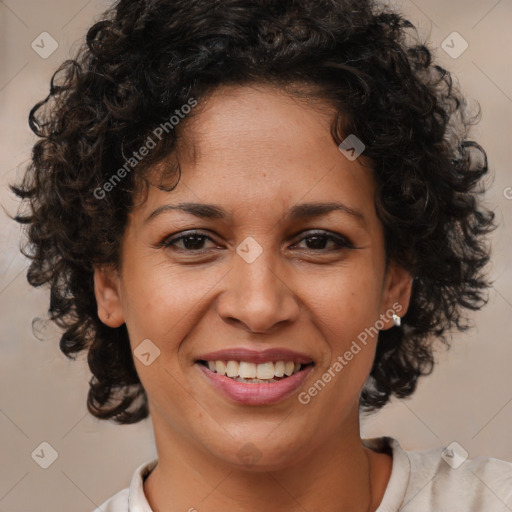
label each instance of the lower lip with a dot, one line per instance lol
(256, 393)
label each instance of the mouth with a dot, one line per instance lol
(250, 377)
(255, 373)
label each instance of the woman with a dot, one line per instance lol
(257, 217)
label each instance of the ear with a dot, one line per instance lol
(106, 290)
(396, 293)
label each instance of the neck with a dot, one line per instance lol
(337, 474)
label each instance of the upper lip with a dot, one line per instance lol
(256, 356)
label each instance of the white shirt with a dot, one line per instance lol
(419, 482)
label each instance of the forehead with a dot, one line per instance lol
(256, 114)
(255, 146)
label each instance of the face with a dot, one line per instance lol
(263, 277)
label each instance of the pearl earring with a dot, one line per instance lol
(396, 320)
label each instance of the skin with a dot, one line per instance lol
(256, 152)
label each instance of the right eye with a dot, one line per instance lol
(192, 241)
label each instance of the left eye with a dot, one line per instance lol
(316, 241)
(320, 239)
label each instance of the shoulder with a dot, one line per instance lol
(445, 478)
(117, 503)
(131, 499)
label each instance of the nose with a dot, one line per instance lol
(258, 295)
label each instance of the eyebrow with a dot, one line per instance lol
(297, 212)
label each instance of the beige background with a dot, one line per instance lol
(42, 394)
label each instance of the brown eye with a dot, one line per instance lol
(317, 241)
(192, 241)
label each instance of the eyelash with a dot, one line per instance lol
(340, 241)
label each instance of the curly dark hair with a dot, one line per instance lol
(145, 59)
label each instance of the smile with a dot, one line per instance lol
(249, 372)
(251, 377)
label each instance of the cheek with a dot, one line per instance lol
(162, 302)
(347, 301)
(346, 309)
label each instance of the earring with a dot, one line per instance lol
(396, 320)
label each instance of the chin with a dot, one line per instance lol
(260, 453)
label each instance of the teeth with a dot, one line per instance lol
(232, 369)
(289, 366)
(265, 371)
(244, 371)
(279, 369)
(220, 367)
(254, 381)
(247, 370)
